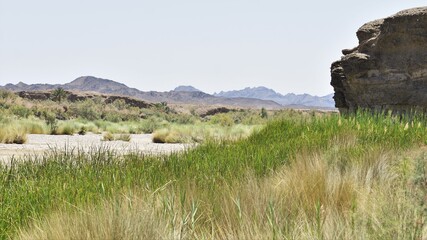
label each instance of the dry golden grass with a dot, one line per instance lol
(202, 132)
(10, 133)
(116, 137)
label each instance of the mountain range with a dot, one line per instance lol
(248, 98)
(289, 99)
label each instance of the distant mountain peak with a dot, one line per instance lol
(85, 80)
(186, 89)
(21, 84)
(251, 92)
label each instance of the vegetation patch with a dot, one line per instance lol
(202, 132)
(305, 177)
(12, 134)
(116, 137)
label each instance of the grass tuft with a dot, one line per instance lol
(12, 134)
(116, 137)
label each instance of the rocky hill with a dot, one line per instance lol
(288, 100)
(93, 84)
(81, 96)
(388, 69)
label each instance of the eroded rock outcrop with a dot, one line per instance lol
(388, 70)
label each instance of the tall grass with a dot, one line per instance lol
(309, 199)
(202, 132)
(11, 133)
(311, 178)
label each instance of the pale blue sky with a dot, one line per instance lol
(160, 44)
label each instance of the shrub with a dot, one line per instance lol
(86, 110)
(32, 125)
(151, 124)
(264, 113)
(123, 137)
(12, 134)
(51, 121)
(108, 137)
(119, 137)
(20, 111)
(66, 128)
(222, 119)
(159, 136)
(113, 117)
(120, 104)
(7, 98)
(82, 130)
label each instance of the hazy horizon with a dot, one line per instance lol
(181, 86)
(159, 45)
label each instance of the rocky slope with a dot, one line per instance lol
(81, 96)
(388, 69)
(289, 100)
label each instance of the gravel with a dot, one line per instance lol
(37, 144)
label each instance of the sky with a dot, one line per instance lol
(159, 44)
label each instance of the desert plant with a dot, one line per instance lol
(201, 133)
(86, 109)
(20, 111)
(59, 94)
(82, 130)
(11, 133)
(66, 128)
(116, 137)
(108, 136)
(263, 113)
(51, 121)
(222, 119)
(123, 137)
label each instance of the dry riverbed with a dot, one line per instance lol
(37, 144)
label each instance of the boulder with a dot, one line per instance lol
(388, 69)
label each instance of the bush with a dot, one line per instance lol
(82, 130)
(123, 137)
(113, 117)
(108, 137)
(159, 136)
(222, 119)
(120, 137)
(86, 110)
(151, 124)
(51, 121)
(7, 98)
(12, 134)
(20, 111)
(66, 128)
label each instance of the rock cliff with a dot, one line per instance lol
(388, 69)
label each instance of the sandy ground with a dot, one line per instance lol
(37, 144)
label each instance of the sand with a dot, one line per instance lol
(38, 144)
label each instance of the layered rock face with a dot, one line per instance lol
(388, 70)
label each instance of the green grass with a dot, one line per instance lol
(258, 187)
